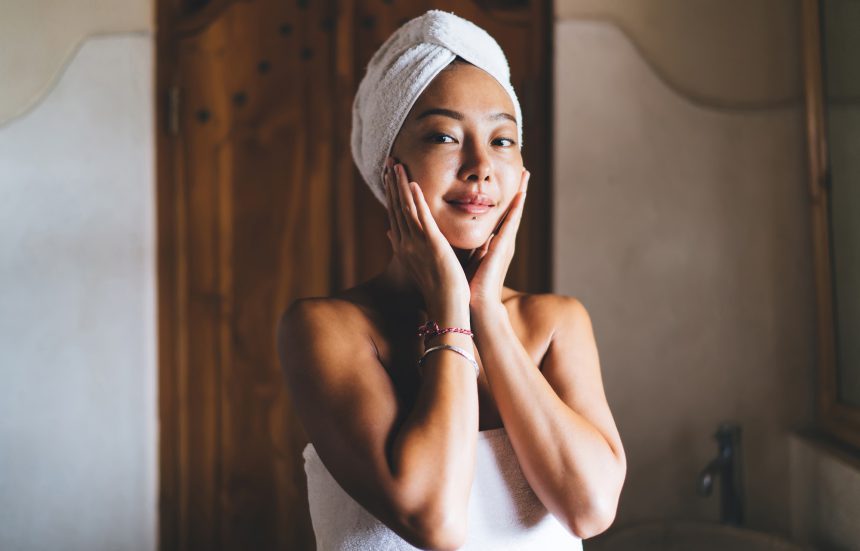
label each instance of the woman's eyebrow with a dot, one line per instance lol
(441, 111)
(459, 116)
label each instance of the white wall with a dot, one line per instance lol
(78, 420)
(682, 224)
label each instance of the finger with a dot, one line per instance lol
(486, 246)
(482, 252)
(477, 250)
(512, 220)
(399, 205)
(398, 202)
(392, 207)
(424, 214)
(410, 216)
(479, 253)
(388, 199)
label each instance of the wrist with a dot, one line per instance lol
(450, 315)
(454, 339)
(480, 305)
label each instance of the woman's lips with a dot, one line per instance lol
(471, 208)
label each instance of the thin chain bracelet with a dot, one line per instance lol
(456, 349)
(431, 329)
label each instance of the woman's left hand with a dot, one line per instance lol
(488, 266)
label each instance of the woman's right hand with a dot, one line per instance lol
(421, 247)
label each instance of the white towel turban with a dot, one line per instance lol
(400, 71)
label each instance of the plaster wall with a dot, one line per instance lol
(39, 37)
(681, 222)
(78, 425)
(718, 52)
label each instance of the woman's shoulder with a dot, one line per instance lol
(356, 307)
(349, 315)
(541, 315)
(541, 305)
(328, 327)
(335, 314)
(336, 310)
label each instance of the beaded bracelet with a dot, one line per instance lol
(456, 349)
(431, 329)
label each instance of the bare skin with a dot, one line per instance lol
(403, 445)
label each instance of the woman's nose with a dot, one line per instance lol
(476, 165)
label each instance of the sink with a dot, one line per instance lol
(688, 536)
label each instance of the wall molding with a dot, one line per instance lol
(50, 84)
(700, 99)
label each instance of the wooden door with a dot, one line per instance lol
(259, 204)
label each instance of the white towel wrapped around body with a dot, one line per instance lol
(504, 512)
(400, 71)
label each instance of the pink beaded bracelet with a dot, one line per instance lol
(431, 329)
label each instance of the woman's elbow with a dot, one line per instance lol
(591, 523)
(437, 530)
(440, 536)
(597, 516)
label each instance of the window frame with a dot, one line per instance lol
(838, 419)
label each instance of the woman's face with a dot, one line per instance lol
(459, 142)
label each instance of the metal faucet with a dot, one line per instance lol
(727, 466)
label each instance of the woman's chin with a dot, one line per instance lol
(466, 240)
(465, 233)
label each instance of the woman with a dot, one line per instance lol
(500, 436)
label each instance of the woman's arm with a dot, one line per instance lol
(558, 421)
(413, 469)
(415, 475)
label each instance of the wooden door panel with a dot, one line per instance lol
(260, 204)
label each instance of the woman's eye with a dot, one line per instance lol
(511, 142)
(439, 138)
